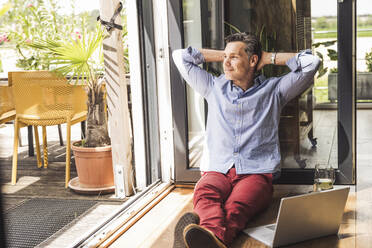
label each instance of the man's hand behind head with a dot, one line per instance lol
(265, 60)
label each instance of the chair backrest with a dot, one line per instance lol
(6, 103)
(6, 99)
(42, 95)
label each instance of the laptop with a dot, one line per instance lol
(304, 217)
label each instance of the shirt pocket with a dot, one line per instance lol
(229, 112)
(252, 113)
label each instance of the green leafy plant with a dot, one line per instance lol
(125, 40)
(268, 41)
(33, 21)
(5, 8)
(38, 19)
(332, 54)
(80, 58)
(230, 29)
(41, 20)
(368, 58)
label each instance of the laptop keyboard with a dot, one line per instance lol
(271, 227)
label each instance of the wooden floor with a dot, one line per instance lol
(156, 228)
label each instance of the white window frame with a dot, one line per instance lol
(164, 92)
(136, 94)
(164, 89)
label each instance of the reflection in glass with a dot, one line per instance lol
(364, 81)
(195, 103)
(308, 127)
(203, 27)
(364, 52)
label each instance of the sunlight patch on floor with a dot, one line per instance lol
(22, 183)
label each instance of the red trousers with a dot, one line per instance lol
(225, 202)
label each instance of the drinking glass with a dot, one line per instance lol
(324, 177)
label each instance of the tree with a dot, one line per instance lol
(321, 23)
(368, 58)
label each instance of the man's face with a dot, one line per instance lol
(236, 61)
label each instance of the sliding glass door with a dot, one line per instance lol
(318, 126)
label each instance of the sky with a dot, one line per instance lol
(329, 7)
(318, 7)
(83, 5)
(80, 5)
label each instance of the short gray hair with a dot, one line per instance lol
(253, 44)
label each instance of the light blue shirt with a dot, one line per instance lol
(242, 126)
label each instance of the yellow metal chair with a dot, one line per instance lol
(7, 110)
(8, 113)
(43, 99)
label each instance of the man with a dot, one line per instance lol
(242, 153)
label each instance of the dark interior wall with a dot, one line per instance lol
(277, 16)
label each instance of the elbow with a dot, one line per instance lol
(178, 58)
(316, 62)
(177, 54)
(310, 64)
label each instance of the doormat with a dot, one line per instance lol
(30, 223)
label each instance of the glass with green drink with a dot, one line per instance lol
(324, 177)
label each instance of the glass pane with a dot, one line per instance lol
(308, 124)
(364, 52)
(202, 23)
(364, 82)
(319, 144)
(195, 103)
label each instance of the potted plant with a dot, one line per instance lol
(364, 82)
(332, 85)
(80, 58)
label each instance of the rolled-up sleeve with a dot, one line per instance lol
(303, 67)
(187, 61)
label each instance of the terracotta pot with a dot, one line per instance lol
(93, 165)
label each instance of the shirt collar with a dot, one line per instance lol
(257, 81)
